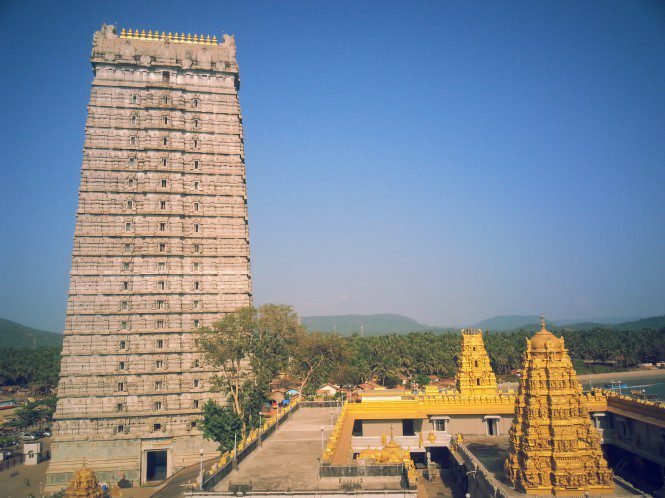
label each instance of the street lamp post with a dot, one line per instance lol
(235, 451)
(322, 439)
(260, 429)
(201, 451)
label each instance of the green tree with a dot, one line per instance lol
(250, 347)
(222, 425)
(315, 357)
(38, 412)
(422, 380)
(226, 345)
(275, 333)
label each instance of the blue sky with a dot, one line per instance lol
(449, 161)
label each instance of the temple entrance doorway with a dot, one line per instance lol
(492, 426)
(155, 465)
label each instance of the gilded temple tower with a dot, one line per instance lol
(161, 248)
(554, 449)
(474, 372)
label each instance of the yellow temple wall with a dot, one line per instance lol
(381, 427)
(476, 425)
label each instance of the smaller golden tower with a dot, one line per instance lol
(554, 449)
(84, 484)
(474, 373)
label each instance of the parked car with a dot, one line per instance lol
(43, 433)
(8, 443)
(28, 436)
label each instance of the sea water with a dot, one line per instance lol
(651, 384)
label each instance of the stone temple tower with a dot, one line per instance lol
(554, 450)
(474, 372)
(161, 247)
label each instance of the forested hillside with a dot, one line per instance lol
(15, 335)
(38, 367)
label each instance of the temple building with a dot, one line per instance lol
(161, 248)
(423, 423)
(545, 440)
(474, 373)
(554, 448)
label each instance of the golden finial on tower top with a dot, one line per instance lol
(542, 322)
(155, 35)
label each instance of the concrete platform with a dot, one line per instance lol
(289, 459)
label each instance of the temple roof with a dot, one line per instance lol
(544, 339)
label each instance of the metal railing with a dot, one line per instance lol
(228, 461)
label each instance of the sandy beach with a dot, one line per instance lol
(623, 376)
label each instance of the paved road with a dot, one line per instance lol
(13, 480)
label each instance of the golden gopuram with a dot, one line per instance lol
(554, 449)
(474, 375)
(84, 484)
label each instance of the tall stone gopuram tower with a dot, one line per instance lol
(474, 372)
(554, 449)
(161, 247)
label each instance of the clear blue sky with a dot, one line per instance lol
(449, 161)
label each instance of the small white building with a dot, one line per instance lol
(32, 452)
(327, 390)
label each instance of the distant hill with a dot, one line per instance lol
(398, 324)
(507, 322)
(654, 322)
(502, 324)
(15, 335)
(371, 324)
